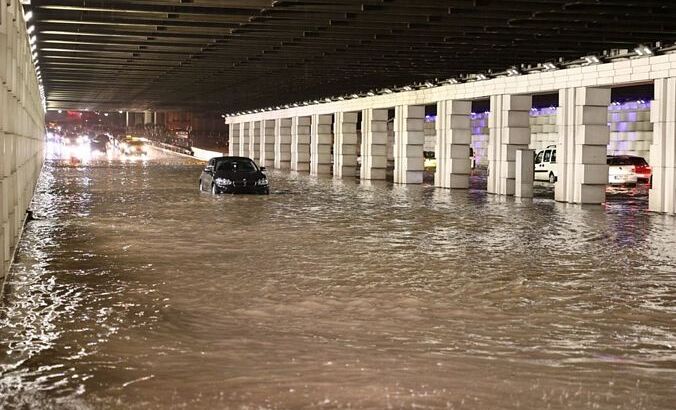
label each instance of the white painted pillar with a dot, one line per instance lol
(662, 195)
(244, 137)
(409, 137)
(452, 145)
(300, 143)
(321, 140)
(525, 173)
(233, 145)
(345, 145)
(283, 143)
(267, 145)
(255, 140)
(373, 144)
(509, 130)
(147, 117)
(582, 147)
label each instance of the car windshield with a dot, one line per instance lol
(242, 165)
(638, 161)
(620, 161)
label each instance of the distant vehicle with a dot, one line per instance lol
(99, 144)
(430, 162)
(234, 175)
(622, 169)
(134, 148)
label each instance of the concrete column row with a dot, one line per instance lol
(254, 149)
(283, 143)
(234, 144)
(267, 143)
(321, 141)
(409, 137)
(21, 129)
(583, 145)
(662, 196)
(373, 144)
(345, 145)
(300, 143)
(453, 141)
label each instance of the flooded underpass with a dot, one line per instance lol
(134, 290)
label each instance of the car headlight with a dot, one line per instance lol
(262, 182)
(223, 181)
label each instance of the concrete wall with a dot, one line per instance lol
(21, 129)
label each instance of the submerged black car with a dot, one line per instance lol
(234, 175)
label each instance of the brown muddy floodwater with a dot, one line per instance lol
(134, 290)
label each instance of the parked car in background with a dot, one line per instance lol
(622, 169)
(545, 164)
(234, 175)
(430, 162)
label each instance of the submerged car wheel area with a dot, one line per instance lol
(234, 175)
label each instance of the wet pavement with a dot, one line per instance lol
(134, 290)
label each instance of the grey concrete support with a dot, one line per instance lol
(525, 173)
(21, 129)
(129, 119)
(233, 146)
(509, 131)
(283, 143)
(408, 144)
(147, 117)
(300, 143)
(254, 149)
(582, 147)
(373, 144)
(662, 196)
(345, 145)
(267, 143)
(321, 140)
(452, 144)
(244, 137)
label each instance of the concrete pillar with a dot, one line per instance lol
(452, 145)
(321, 140)
(300, 143)
(254, 149)
(373, 144)
(582, 146)
(408, 144)
(233, 146)
(129, 119)
(147, 117)
(509, 131)
(525, 173)
(21, 129)
(267, 145)
(662, 195)
(345, 145)
(283, 143)
(244, 137)
(155, 118)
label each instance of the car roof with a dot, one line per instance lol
(222, 158)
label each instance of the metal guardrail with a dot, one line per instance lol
(169, 147)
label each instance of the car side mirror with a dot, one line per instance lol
(263, 169)
(209, 169)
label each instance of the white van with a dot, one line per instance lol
(545, 164)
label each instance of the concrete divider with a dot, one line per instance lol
(206, 155)
(21, 130)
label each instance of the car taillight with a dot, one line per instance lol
(642, 169)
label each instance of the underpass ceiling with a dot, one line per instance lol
(232, 55)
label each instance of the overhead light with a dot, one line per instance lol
(28, 16)
(386, 91)
(370, 93)
(591, 60)
(354, 96)
(549, 66)
(30, 29)
(35, 55)
(513, 71)
(643, 50)
(481, 77)
(428, 84)
(327, 99)
(32, 39)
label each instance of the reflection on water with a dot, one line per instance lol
(135, 290)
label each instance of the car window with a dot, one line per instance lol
(548, 155)
(241, 165)
(553, 159)
(619, 161)
(638, 161)
(538, 159)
